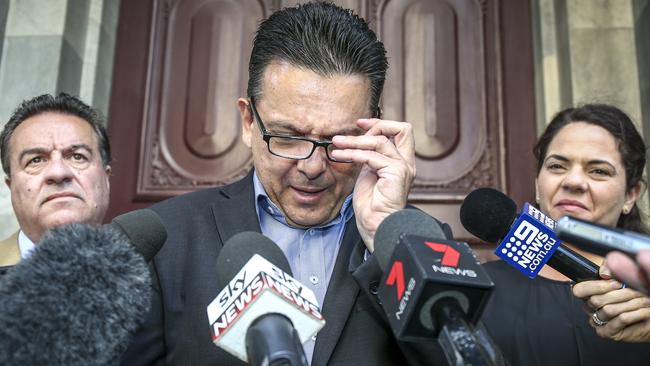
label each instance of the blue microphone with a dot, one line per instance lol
(526, 240)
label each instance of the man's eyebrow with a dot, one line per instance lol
(350, 131)
(76, 147)
(293, 129)
(32, 151)
(283, 125)
(41, 151)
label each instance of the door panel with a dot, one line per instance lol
(460, 72)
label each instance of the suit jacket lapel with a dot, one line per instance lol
(234, 209)
(234, 212)
(9, 251)
(341, 295)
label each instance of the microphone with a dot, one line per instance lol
(262, 315)
(526, 241)
(600, 239)
(144, 230)
(75, 301)
(433, 288)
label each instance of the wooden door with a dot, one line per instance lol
(460, 70)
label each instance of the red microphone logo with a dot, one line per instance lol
(450, 256)
(396, 276)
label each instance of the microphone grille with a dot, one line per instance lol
(487, 214)
(77, 300)
(240, 248)
(403, 222)
(144, 229)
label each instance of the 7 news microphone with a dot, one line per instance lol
(262, 314)
(433, 288)
(526, 240)
(81, 294)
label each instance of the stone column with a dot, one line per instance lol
(586, 51)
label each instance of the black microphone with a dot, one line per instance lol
(433, 288)
(489, 215)
(600, 239)
(261, 300)
(75, 301)
(144, 230)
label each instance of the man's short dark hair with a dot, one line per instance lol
(323, 38)
(62, 103)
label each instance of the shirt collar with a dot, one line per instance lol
(262, 201)
(25, 244)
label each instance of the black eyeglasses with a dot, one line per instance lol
(292, 147)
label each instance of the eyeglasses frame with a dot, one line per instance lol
(266, 136)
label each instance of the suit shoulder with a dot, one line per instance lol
(188, 204)
(203, 196)
(9, 250)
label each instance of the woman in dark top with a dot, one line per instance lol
(590, 162)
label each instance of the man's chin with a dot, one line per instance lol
(304, 222)
(68, 217)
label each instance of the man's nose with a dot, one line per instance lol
(58, 171)
(315, 165)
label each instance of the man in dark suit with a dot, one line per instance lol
(327, 171)
(56, 158)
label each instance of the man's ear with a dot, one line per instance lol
(246, 117)
(108, 171)
(8, 181)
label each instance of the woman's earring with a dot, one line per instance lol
(626, 210)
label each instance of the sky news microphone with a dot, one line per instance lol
(433, 288)
(75, 301)
(262, 314)
(527, 240)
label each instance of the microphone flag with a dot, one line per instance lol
(259, 281)
(421, 271)
(530, 242)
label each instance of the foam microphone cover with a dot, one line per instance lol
(144, 229)
(406, 221)
(240, 248)
(488, 214)
(76, 301)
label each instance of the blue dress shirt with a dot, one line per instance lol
(311, 252)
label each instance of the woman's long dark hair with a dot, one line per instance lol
(630, 145)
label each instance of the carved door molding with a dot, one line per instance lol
(460, 72)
